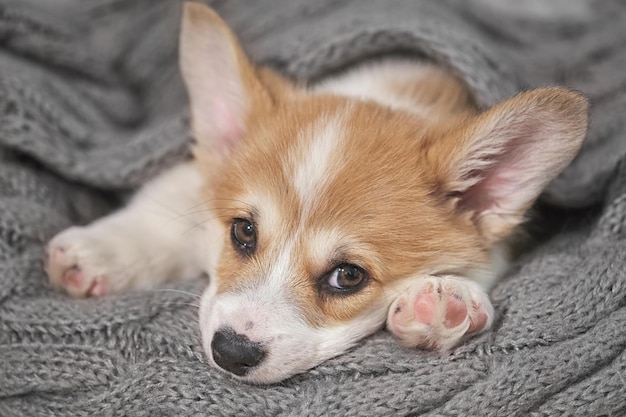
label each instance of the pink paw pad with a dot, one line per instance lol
(427, 305)
(425, 308)
(456, 311)
(438, 312)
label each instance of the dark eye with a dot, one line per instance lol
(346, 278)
(243, 235)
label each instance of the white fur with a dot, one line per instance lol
(167, 233)
(270, 218)
(371, 82)
(151, 241)
(313, 161)
(266, 313)
(323, 243)
(264, 310)
(293, 345)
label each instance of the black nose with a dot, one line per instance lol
(234, 352)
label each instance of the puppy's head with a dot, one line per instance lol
(323, 208)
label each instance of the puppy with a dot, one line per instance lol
(320, 212)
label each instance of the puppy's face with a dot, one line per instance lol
(323, 208)
(320, 216)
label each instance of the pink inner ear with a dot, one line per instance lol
(212, 66)
(514, 177)
(227, 126)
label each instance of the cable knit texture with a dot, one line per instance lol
(92, 105)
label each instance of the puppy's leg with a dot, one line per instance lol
(150, 241)
(439, 312)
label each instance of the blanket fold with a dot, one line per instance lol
(92, 105)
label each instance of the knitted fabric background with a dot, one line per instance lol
(92, 105)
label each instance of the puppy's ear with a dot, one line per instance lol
(222, 85)
(496, 166)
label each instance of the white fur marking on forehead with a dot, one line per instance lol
(314, 159)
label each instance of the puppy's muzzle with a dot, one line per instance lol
(234, 352)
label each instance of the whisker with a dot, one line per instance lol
(200, 225)
(161, 204)
(217, 199)
(177, 291)
(190, 213)
(184, 304)
(499, 213)
(243, 203)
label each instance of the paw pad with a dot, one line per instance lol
(68, 265)
(439, 312)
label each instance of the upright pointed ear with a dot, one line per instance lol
(495, 167)
(222, 85)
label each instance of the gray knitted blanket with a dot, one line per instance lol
(91, 105)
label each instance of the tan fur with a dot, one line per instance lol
(389, 168)
(445, 156)
(390, 194)
(386, 161)
(437, 89)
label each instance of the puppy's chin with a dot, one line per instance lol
(289, 344)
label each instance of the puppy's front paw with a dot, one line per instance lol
(439, 312)
(79, 262)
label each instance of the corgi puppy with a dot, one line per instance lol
(320, 213)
